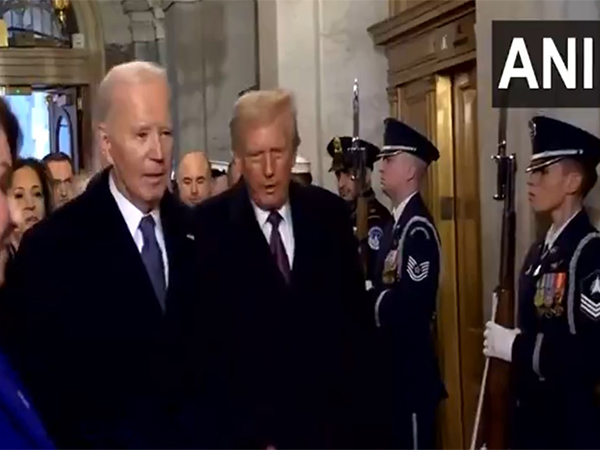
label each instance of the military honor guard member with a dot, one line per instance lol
(555, 351)
(407, 274)
(379, 215)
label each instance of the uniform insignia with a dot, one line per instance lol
(375, 235)
(590, 295)
(550, 293)
(190, 237)
(417, 271)
(422, 229)
(390, 266)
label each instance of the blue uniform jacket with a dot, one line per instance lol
(20, 426)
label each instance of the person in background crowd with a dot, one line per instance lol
(60, 169)
(194, 178)
(30, 196)
(554, 352)
(91, 346)
(301, 171)
(406, 285)
(286, 313)
(378, 215)
(20, 426)
(233, 172)
(220, 179)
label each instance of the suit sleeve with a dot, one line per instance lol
(411, 299)
(569, 354)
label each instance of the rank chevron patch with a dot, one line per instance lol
(590, 307)
(417, 271)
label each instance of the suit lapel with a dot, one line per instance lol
(302, 224)
(177, 239)
(115, 241)
(249, 235)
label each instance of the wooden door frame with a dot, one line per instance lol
(83, 68)
(425, 40)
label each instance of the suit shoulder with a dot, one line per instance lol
(61, 223)
(213, 209)
(585, 257)
(376, 208)
(421, 230)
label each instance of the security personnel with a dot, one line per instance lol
(555, 351)
(407, 275)
(378, 215)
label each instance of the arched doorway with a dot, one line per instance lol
(51, 60)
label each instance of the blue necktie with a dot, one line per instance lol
(152, 257)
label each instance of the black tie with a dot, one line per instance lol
(152, 257)
(277, 248)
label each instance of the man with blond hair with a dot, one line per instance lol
(110, 268)
(288, 295)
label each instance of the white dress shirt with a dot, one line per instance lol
(133, 216)
(398, 210)
(286, 229)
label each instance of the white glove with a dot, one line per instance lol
(498, 341)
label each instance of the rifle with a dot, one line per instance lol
(358, 159)
(496, 396)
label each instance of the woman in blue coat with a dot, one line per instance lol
(20, 426)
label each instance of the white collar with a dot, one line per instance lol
(552, 235)
(398, 210)
(130, 212)
(262, 216)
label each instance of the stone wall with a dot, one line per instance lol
(133, 29)
(209, 48)
(316, 49)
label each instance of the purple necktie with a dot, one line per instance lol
(277, 248)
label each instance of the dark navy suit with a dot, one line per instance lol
(556, 358)
(407, 274)
(20, 426)
(88, 336)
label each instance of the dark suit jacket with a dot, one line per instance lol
(20, 427)
(89, 332)
(286, 355)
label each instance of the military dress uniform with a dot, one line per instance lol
(407, 277)
(556, 357)
(378, 215)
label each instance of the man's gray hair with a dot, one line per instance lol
(134, 72)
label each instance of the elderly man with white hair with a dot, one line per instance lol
(110, 268)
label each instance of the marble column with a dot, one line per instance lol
(211, 56)
(518, 130)
(316, 48)
(186, 75)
